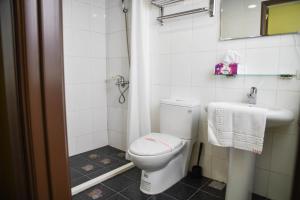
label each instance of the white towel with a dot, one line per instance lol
(236, 125)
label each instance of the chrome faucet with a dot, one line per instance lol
(252, 95)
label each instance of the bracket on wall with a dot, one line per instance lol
(161, 4)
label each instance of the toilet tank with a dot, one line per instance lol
(180, 117)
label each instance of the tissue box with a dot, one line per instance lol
(220, 69)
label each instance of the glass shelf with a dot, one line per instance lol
(283, 76)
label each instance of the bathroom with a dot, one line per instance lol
(141, 90)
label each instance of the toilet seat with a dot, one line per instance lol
(155, 144)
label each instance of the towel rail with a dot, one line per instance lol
(163, 3)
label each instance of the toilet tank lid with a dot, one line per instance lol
(181, 102)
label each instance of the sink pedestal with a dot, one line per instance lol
(240, 175)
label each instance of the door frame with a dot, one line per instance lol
(38, 85)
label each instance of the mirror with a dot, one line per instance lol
(255, 18)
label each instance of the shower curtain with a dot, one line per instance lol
(138, 123)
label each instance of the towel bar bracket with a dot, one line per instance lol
(161, 4)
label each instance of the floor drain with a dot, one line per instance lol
(217, 185)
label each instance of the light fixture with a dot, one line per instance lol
(252, 6)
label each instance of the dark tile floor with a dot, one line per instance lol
(126, 187)
(92, 164)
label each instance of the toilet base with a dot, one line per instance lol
(155, 182)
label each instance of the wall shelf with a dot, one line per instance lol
(282, 76)
(161, 4)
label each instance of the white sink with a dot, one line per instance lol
(242, 163)
(275, 116)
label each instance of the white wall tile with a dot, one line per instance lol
(205, 38)
(261, 42)
(289, 100)
(82, 1)
(219, 169)
(261, 182)
(97, 45)
(181, 41)
(263, 161)
(100, 139)
(157, 93)
(181, 69)
(98, 70)
(220, 152)
(262, 61)
(202, 69)
(266, 98)
(67, 14)
(98, 95)
(280, 186)
(161, 70)
(115, 119)
(84, 143)
(97, 17)
(81, 41)
(85, 74)
(81, 16)
(99, 3)
(284, 153)
(230, 95)
(67, 41)
(116, 45)
(115, 20)
(266, 83)
(289, 60)
(100, 119)
(116, 139)
(183, 92)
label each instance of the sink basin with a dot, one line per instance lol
(275, 116)
(241, 168)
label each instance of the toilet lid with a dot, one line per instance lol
(155, 144)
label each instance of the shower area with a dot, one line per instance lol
(97, 63)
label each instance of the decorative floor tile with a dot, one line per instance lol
(92, 164)
(107, 161)
(86, 167)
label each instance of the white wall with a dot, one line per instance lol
(117, 64)
(85, 74)
(184, 52)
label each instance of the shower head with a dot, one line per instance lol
(125, 10)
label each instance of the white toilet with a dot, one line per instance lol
(164, 157)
